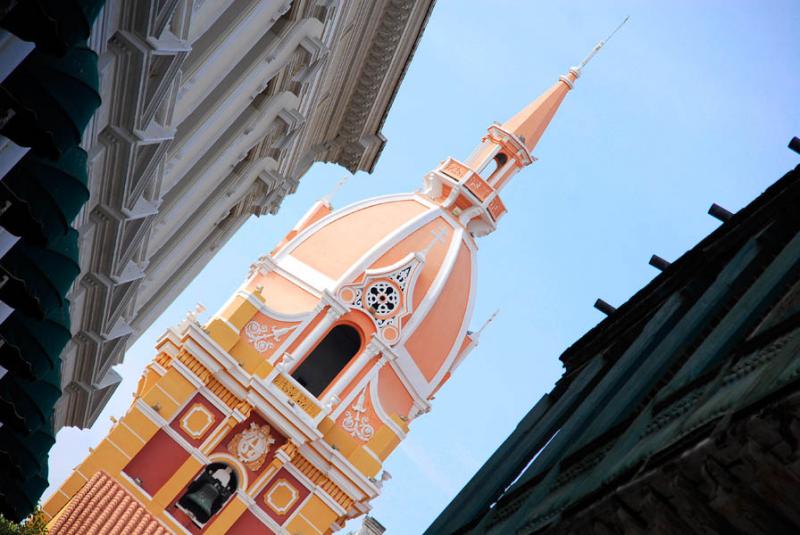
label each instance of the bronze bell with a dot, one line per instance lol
(201, 501)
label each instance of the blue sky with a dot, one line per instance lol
(692, 102)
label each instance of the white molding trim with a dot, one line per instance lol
(372, 454)
(229, 459)
(124, 453)
(259, 513)
(177, 403)
(196, 434)
(131, 430)
(281, 415)
(338, 214)
(262, 480)
(410, 375)
(133, 483)
(454, 351)
(201, 388)
(305, 273)
(339, 470)
(436, 287)
(313, 488)
(230, 325)
(379, 410)
(274, 314)
(294, 279)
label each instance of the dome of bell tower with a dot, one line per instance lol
(399, 268)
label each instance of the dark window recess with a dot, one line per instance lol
(330, 357)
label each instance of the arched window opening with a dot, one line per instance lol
(329, 358)
(208, 493)
(492, 166)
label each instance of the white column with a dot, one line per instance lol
(333, 314)
(373, 348)
(502, 174)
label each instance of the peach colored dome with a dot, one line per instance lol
(369, 239)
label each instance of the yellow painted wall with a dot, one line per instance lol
(364, 462)
(314, 518)
(107, 456)
(229, 515)
(179, 479)
(384, 441)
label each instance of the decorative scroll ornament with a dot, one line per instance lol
(385, 294)
(251, 445)
(356, 422)
(264, 337)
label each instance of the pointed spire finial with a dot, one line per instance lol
(328, 197)
(530, 123)
(598, 46)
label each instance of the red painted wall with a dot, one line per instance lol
(248, 524)
(156, 462)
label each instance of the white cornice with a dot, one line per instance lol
(341, 471)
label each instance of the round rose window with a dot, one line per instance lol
(382, 298)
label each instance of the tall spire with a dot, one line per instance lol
(530, 123)
(470, 190)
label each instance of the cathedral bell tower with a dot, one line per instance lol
(276, 415)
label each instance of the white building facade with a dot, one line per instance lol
(212, 112)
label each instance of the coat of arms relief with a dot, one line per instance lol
(252, 445)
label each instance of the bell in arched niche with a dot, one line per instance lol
(206, 495)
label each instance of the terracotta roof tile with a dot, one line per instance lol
(104, 506)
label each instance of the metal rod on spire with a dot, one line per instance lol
(329, 196)
(486, 323)
(600, 45)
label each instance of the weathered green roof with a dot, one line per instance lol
(714, 335)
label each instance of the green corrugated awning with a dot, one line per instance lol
(24, 461)
(26, 406)
(32, 347)
(52, 95)
(53, 100)
(44, 195)
(20, 496)
(25, 453)
(54, 25)
(46, 272)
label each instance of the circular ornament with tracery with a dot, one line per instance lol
(382, 298)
